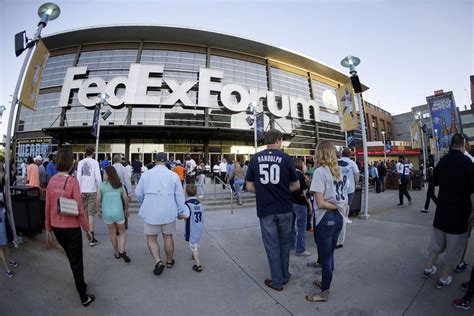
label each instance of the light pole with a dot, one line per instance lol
(351, 62)
(384, 148)
(102, 101)
(424, 151)
(47, 12)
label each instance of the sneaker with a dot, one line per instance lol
(464, 286)
(429, 272)
(339, 246)
(410, 202)
(400, 204)
(303, 254)
(201, 196)
(349, 221)
(93, 242)
(125, 257)
(13, 263)
(423, 210)
(462, 267)
(313, 264)
(9, 274)
(443, 283)
(462, 304)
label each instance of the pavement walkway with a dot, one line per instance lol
(377, 272)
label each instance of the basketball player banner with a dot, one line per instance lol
(347, 108)
(445, 118)
(34, 74)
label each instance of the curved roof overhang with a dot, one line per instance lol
(190, 36)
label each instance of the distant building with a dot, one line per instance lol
(401, 124)
(377, 121)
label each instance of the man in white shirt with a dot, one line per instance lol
(350, 173)
(190, 169)
(88, 175)
(223, 171)
(403, 170)
(122, 173)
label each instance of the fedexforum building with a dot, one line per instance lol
(177, 90)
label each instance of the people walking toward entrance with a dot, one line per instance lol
(382, 171)
(161, 194)
(88, 176)
(180, 171)
(404, 171)
(237, 178)
(348, 175)
(112, 204)
(67, 228)
(230, 168)
(51, 167)
(330, 205)
(42, 170)
(201, 182)
(32, 173)
(137, 170)
(223, 172)
(194, 224)
(300, 212)
(104, 163)
(430, 193)
(454, 175)
(190, 169)
(122, 174)
(5, 258)
(353, 177)
(272, 177)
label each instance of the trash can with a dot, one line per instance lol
(356, 202)
(26, 209)
(416, 182)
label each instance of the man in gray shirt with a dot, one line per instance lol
(122, 173)
(42, 170)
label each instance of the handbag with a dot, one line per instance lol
(67, 207)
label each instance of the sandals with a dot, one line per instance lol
(117, 256)
(268, 283)
(321, 297)
(159, 267)
(197, 268)
(13, 263)
(90, 299)
(169, 265)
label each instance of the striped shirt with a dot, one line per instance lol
(53, 193)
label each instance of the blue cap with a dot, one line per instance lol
(161, 157)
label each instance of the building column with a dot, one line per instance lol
(127, 151)
(206, 150)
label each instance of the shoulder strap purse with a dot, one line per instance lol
(67, 207)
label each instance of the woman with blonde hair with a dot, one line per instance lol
(331, 201)
(238, 177)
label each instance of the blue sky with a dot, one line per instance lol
(408, 48)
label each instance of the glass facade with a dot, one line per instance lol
(181, 66)
(55, 70)
(47, 114)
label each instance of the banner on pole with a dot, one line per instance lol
(95, 122)
(347, 109)
(445, 119)
(415, 135)
(260, 128)
(31, 83)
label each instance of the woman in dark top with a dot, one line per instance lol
(300, 212)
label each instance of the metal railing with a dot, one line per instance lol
(227, 187)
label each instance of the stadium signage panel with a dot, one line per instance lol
(143, 78)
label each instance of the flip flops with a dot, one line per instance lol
(169, 265)
(159, 267)
(197, 268)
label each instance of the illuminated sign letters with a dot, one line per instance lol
(142, 78)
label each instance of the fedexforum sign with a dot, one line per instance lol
(143, 78)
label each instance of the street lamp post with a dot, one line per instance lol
(351, 62)
(424, 151)
(102, 101)
(384, 148)
(47, 12)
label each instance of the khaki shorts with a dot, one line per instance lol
(88, 201)
(452, 245)
(166, 229)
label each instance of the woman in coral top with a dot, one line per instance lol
(32, 173)
(67, 228)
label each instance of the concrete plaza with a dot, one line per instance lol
(378, 272)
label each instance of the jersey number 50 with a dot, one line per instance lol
(269, 173)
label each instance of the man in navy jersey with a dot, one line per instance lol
(272, 177)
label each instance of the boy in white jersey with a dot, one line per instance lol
(194, 224)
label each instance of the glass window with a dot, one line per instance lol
(46, 115)
(55, 70)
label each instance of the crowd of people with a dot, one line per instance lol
(291, 198)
